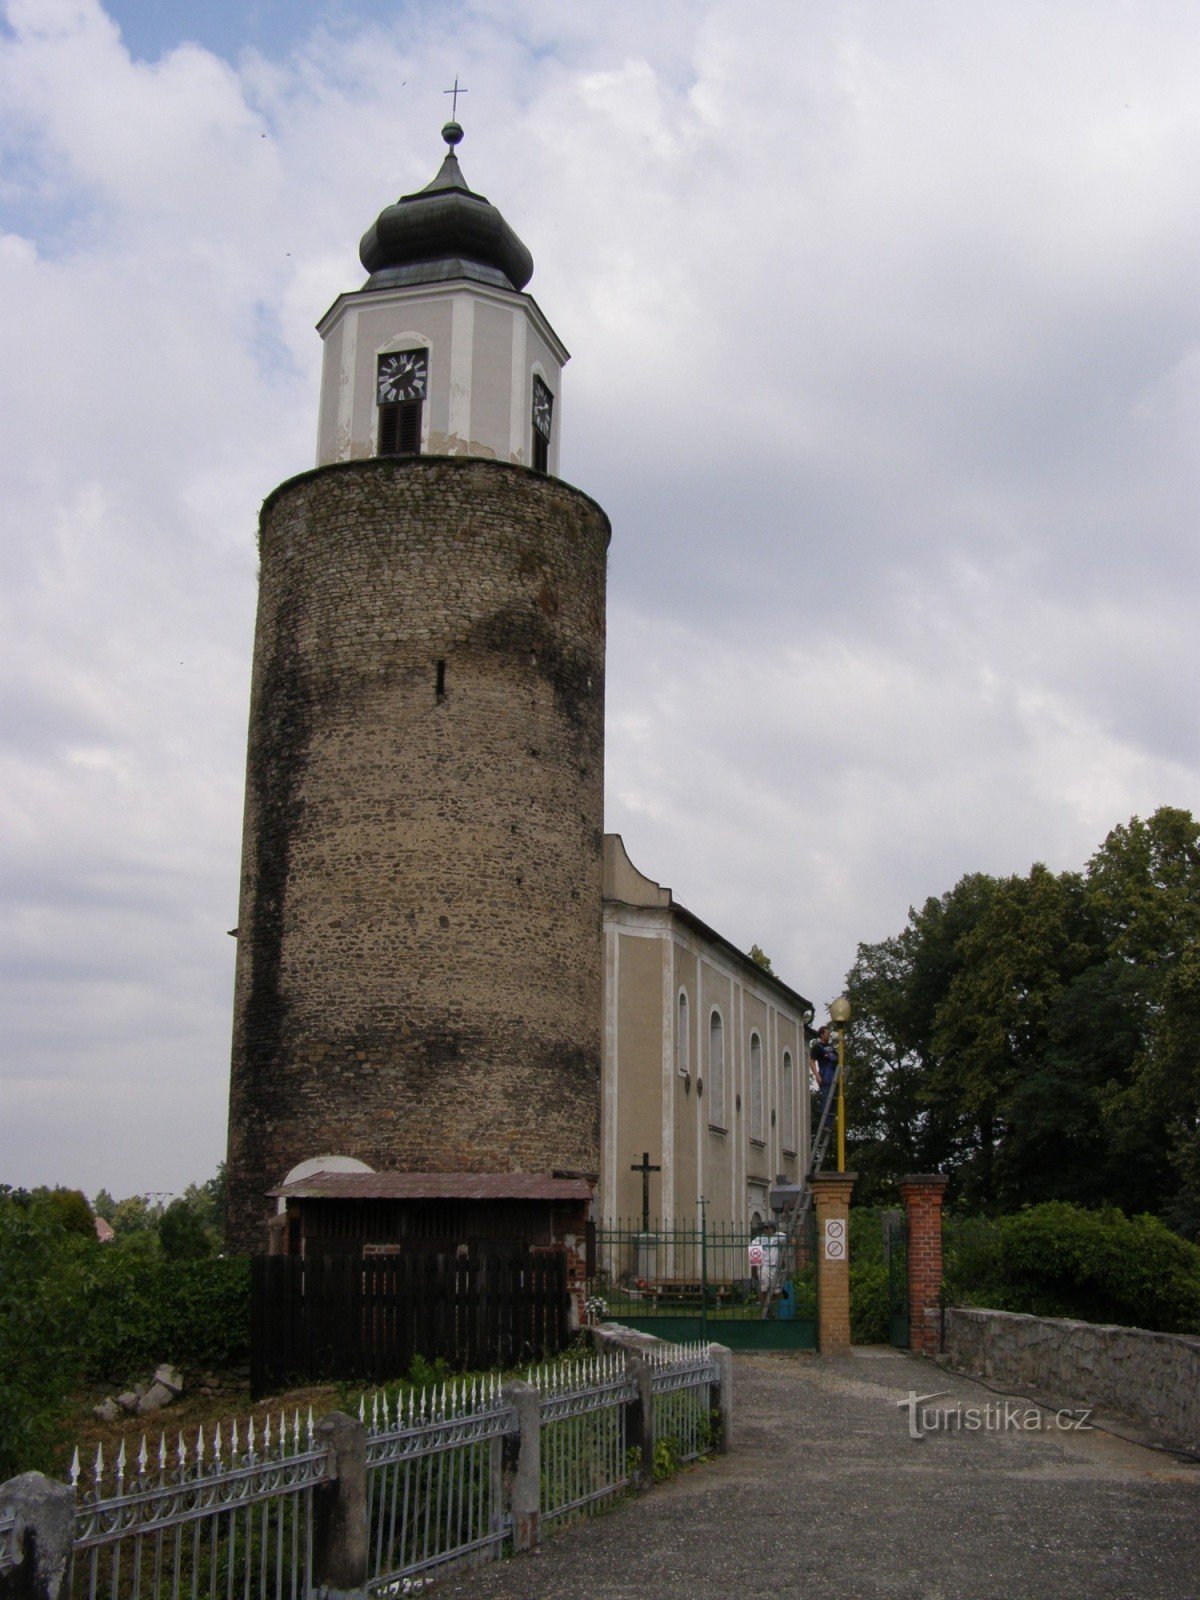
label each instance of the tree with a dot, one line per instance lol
(760, 958)
(1145, 880)
(1038, 1037)
(896, 988)
(183, 1234)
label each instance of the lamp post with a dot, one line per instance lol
(839, 1015)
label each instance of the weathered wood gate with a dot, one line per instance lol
(366, 1318)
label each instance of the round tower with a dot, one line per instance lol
(419, 937)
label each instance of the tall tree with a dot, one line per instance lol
(1038, 1037)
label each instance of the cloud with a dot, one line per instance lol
(887, 370)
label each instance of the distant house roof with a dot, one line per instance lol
(103, 1230)
(434, 1186)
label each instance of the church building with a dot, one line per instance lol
(457, 1003)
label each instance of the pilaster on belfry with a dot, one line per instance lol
(922, 1194)
(831, 1202)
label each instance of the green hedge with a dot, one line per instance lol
(191, 1313)
(1060, 1260)
(1101, 1266)
(73, 1311)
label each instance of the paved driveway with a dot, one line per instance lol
(826, 1493)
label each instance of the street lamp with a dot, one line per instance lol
(839, 1015)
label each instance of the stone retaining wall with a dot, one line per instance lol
(1151, 1378)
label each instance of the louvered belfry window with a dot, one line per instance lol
(400, 428)
(401, 383)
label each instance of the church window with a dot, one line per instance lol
(682, 1042)
(542, 414)
(716, 1071)
(402, 379)
(440, 681)
(789, 1103)
(757, 1128)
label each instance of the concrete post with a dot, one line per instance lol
(340, 1510)
(922, 1195)
(723, 1357)
(831, 1199)
(45, 1537)
(639, 1420)
(522, 1459)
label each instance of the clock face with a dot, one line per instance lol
(402, 376)
(543, 405)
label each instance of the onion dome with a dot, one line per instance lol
(444, 231)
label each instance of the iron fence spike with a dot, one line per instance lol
(74, 1473)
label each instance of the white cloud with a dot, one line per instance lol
(887, 368)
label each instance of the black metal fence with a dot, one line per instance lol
(367, 1318)
(708, 1281)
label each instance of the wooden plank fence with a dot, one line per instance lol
(366, 1318)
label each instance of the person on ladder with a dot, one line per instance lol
(823, 1064)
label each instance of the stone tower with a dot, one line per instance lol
(419, 936)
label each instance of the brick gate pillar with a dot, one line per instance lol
(922, 1195)
(831, 1200)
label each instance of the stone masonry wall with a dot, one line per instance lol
(1151, 1378)
(419, 937)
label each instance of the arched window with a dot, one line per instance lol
(716, 1071)
(683, 1059)
(788, 1132)
(757, 1121)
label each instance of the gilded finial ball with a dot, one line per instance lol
(452, 133)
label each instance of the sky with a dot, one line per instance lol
(885, 346)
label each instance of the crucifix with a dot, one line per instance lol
(645, 1169)
(456, 91)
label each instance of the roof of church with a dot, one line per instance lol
(444, 231)
(624, 884)
(435, 1186)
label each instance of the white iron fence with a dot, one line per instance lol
(246, 1514)
(434, 1480)
(230, 1516)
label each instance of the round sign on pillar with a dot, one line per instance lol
(835, 1239)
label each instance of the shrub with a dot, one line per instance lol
(142, 1311)
(1100, 1266)
(870, 1308)
(40, 1304)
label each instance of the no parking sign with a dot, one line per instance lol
(835, 1239)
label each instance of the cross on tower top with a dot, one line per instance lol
(456, 91)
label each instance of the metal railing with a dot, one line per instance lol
(230, 1516)
(233, 1516)
(681, 1383)
(434, 1480)
(584, 1461)
(699, 1275)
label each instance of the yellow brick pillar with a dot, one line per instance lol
(831, 1201)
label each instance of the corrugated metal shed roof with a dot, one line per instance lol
(435, 1186)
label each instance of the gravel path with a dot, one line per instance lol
(825, 1492)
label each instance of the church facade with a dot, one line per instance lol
(425, 921)
(705, 1064)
